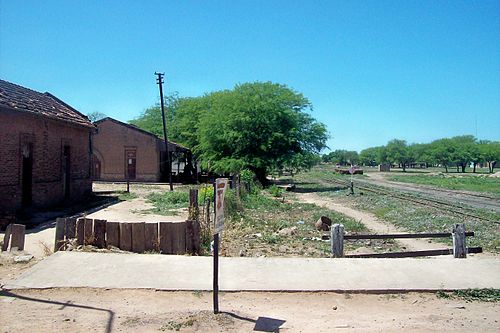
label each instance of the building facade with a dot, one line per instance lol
(45, 151)
(124, 151)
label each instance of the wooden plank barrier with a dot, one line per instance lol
(88, 232)
(113, 234)
(126, 236)
(139, 237)
(138, 245)
(151, 242)
(99, 237)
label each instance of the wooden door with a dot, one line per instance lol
(130, 164)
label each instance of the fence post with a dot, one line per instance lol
(459, 241)
(337, 237)
(194, 210)
(60, 231)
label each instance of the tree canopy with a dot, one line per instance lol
(261, 126)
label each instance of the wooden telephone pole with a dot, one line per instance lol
(159, 81)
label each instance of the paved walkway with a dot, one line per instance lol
(166, 272)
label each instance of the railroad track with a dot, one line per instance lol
(452, 208)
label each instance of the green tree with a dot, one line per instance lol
(372, 156)
(151, 120)
(441, 152)
(397, 152)
(490, 153)
(259, 126)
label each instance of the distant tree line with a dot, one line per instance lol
(458, 151)
(262, 127)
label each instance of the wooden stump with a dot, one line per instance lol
(70, 228)
(166, 237)
(151, 237)
(193, 204)
(459, 241)
(80, 231)
(88, 232)
(60, 231)
(192, 237)
(113, 234)
(18, 233)
(100, 233)
(125, 236)
(6, 238)
(138, 245)
(337, 239)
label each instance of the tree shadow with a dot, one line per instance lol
(111, 314)
(262, 324)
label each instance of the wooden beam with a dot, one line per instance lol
(125, 236)
(138, 245)
(423, 253)
(18, 233)
(100, 233)
(80, 231)
(151, 242)
(113, 234)
(394, 236)
(59, 235)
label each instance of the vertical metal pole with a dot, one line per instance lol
(159, 80)
(216, 273)
(216, 260)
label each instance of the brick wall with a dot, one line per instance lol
(110, 143)
(48, 137)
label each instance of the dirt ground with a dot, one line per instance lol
(473, 199)
(98, 310)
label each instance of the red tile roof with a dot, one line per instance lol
(23, 99)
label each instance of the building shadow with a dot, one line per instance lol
(262, 324)
(111, 314)
(318, 189)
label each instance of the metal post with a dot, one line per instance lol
(216, 261)
(159, 81)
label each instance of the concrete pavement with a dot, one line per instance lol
(168, 272)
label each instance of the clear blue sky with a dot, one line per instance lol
(374, 70)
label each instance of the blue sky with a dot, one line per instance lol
(374, 70)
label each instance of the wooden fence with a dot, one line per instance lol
(139, 237)
(458, 235)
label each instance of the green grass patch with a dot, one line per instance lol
(165, 203)
(454, 182)
(124, 195)
(470, 295)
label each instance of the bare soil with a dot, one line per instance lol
(98, 310)
(473, 199)
(369, 220)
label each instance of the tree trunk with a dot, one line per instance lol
(458, 169)
(463, 167)
(261, 174)
(446, 168)
(493, 165)
(474, 169)
(404, 166)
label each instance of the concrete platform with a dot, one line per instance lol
(168, 272)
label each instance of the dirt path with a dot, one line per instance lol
(473, 199)
(369, 220)
(99, 310)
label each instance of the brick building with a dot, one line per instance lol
(45, 151)
(120, 148)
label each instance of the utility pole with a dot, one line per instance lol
(159, 81)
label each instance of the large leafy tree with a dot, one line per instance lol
(490, 153)
(259, 126)
(398, 153)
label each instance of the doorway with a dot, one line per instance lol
(130, 164)
(27, 175)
